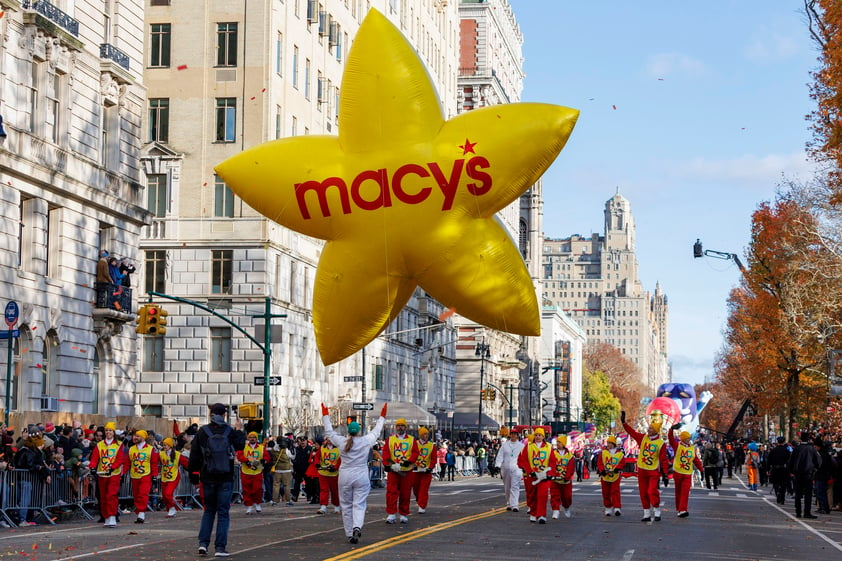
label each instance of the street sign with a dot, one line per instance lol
(5, 334)
(362, 406)
(353, 378)
(11, 313)
(273, 380)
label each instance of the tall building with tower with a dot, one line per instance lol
(595, 280)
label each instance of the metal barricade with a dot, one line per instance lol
(24, 491)
(65, 492)
(186, 494)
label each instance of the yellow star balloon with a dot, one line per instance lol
(404, 197)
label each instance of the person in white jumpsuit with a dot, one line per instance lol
(354, 483)
(509, 472)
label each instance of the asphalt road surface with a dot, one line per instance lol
(465, 521)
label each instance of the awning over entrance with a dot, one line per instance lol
(414, 415)
(468, 421)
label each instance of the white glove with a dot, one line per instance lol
(396, 468)
(541, 475)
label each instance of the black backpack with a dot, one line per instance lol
(218, 453)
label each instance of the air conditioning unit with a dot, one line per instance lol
(49, 403)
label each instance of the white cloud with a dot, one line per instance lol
(749, 168)
(665, 64)
(769, 46)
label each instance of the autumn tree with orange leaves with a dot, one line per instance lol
(824, 18)
(624, 377)
(773, 353)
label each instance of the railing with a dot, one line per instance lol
(26, 495)
(114, 297)
(53, 14)
(107, 50)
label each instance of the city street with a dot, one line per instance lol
(465, 521)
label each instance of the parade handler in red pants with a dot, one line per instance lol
(143, 466)
(399, 456)
(252, 458)
(427, 452)
(682, 468)
(609, 463)
(652, 463)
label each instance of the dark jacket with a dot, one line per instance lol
(825, 471)
(778, 463)
(301, 461)
(805, 460)
(237, 438)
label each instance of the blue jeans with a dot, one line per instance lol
(24, 498)
(820, 489)
(217, 503)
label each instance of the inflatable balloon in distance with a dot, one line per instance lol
(684, 396)
(405, 198)
(662, 413)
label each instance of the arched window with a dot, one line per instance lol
(524, 239)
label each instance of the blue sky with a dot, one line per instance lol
(710, 103)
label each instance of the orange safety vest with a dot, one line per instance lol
(140, 460)
(610, 461)
(329, 458)
(107, 457)
(252, 455)
(425, 456)
(169, 465)
(683, 462)
(400, 449)
(650, 453)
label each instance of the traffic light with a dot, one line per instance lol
(141, 319)
(249, 411)
(482, 395)
(156, 320)
(492, 394)
(350, 419)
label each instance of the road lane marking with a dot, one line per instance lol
(775, 505)
(628, 555)
(397, 540)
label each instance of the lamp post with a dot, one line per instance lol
(483, 351)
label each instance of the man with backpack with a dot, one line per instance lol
(212, 463)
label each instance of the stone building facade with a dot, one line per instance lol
(71, 101)
(595, 280)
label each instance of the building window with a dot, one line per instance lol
(95, 374)
(377, 383)
(32, 95)
(220, 356)
(295, 66)
(153, 354)
(223, 201)
(156, 194)
(49, 365)
(54, 243)
(53, 96)
(279, 122)
(221, 267)
(159, 45)
(294, 128)
(226, 44)
(307, 78)
(279, 54)
(154, 268)
(26, 234)
(159, 119)
(226, 119)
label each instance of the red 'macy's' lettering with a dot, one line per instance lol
(448, 184)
